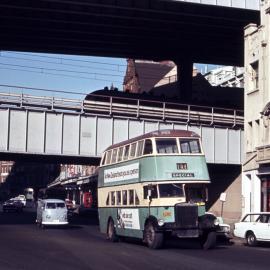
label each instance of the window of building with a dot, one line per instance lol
(255, 74)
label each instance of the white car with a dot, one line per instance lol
(223, 229)
(254, 227)
(21, 198)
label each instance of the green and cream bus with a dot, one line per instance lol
(153, 186)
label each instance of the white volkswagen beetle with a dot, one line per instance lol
(51, 212)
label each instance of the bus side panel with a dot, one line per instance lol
(104, 215)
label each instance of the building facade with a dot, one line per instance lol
(256, 168)
(5, 169)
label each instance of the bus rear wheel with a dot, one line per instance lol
(111, 234)
(153, 239)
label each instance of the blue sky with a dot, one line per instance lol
(66, 73)
(78, 74)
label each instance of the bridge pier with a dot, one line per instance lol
(184, 79)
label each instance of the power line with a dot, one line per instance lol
(55, 63)
(43, 89)
(79, 72)
(63, 75)
(62, 70)
(63, 59)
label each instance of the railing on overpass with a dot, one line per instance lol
(128, 108)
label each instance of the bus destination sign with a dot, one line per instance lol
(182, 174)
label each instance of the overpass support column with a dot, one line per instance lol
(184, 78)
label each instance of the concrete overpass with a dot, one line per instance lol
(63, 130)
(202, 31)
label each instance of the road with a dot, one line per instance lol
(24, 246)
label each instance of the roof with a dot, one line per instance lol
(166, 133)
(150, 73)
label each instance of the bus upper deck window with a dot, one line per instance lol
(126, 152)
(108, 157)
(120, 154)
(139, 149)
(103, 161)
(166, 146)
(148, 148)
(132, 150)
(190, 146)
(114, 155)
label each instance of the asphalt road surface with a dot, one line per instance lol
(24, 246)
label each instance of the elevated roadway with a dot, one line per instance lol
(63, 130)
(202, 31)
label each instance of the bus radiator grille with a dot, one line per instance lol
(186, 216)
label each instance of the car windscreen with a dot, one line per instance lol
(195, 193)
(170, 190)
(52, 205)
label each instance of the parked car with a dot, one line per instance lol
(254, 227)
(13, 205)
(223, 229)
(22, 199)
(51, 212)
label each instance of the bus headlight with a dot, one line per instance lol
(160, 222)
(48, 216)
(216, 222)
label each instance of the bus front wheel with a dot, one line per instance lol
(111, 234)
(208, 240)
(153, 239)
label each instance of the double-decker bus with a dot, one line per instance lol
(153, 186)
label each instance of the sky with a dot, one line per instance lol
(66, 76)
(64, 73)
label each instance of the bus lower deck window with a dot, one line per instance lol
(112, 198)
(124, 197)
(118, 197)
(131, 197)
